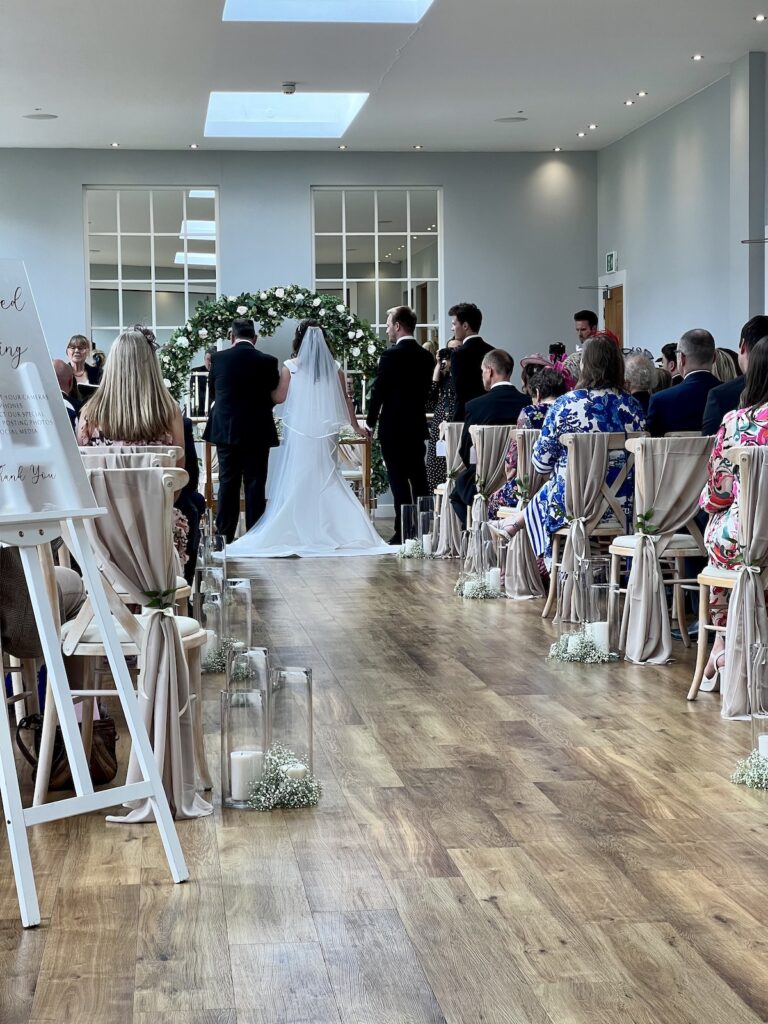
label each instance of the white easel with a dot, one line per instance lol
(44, 492)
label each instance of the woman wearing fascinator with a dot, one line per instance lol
(311, 510)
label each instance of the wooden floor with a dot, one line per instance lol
(500, 840)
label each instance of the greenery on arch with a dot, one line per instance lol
(354, 342)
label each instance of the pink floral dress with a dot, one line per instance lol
(720, 496)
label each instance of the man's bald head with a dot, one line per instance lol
(64, 375)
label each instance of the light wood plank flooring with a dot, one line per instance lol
(500, 841)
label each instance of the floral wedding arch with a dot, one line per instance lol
(356, 345)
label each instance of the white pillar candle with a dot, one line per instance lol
(573, 641)
(410, 546)
(493, 580)
(598, 631)
(426, 543)
(762, 745)
(244, 769)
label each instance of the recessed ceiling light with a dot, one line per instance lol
(698, 56)
(114, 145)
(196, 259)
(39, 116)
(759, 17)
(556, 149)
(592, 127)
(394, 12)
(629, 103)
(642, 93)
(275, 115)
(581, 134)
(193, 145)
(418, 147)
(342, 147)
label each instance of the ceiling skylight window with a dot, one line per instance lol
(199, 230)
(202, 193)
(195, 259)
(393, 12)
(274, 115)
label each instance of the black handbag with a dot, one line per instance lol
(103, 761)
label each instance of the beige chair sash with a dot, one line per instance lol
(134, 545)
(449, 531)
(747, 616)
(529, 479)
(522, 580)
(669, 475)
(491, 445)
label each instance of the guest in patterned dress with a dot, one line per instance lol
(441, 403)
(746, 426)
(597, 404)
(545, 386)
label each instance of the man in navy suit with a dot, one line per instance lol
(500, 405)
(726, 397)
(241, 426)
(682, 407)
(467, 359)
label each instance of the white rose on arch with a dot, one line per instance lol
(316, 302)
(351, 335)
(280, 292)
(371, 350)
(358, 334)
(231, 298)
(299, 297)
(340, 308)
(242, 310)
(166, 382)
(182, 343)
(356, 351)
(202, 333)
(262, 295)
(322, 312)
(272, 312)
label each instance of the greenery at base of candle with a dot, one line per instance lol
(216, 660)
(578, 647)
(752, 772)
(276, 790)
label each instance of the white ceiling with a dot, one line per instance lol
(140, 72)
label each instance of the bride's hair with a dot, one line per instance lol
(301, 330)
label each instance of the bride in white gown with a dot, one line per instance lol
(311, 510)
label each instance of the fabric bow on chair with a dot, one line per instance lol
(449, 531)
(669, 475)
(136, 553)
(522, 579)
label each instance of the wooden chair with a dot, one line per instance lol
(603, 521)
(448, 526)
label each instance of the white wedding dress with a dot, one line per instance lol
(311, 510)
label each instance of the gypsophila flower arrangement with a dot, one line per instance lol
(347, 434)
(578, 647)
(283, 784)
(474, 587)
(752, 772)
(412, 549)
(216, 661)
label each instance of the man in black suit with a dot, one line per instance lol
(499, 406)
(200, 397)
(726, 397)
(682, 407)
(668, 361)
(585, 322)
(466, 360)
(241, 425)
(398, 404)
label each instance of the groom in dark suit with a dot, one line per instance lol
(241, 425)
(466, 360)
(399, 405)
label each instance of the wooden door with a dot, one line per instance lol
(613, 312)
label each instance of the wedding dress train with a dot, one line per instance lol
(311, 510)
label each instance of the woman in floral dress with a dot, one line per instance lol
(720, 498)
(598, 403)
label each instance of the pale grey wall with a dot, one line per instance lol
(519, 229)
(664, 205)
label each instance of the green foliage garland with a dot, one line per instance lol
(354, 340)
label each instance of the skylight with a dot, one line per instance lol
(202, 193)
(196, 259)
(394, 12)
(199, 230)
(274, 115)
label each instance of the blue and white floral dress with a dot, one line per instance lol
(577, 412)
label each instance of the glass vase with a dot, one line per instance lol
(758, 698)
(244, 726)
(600, 624)
(290, 714)
(210, 621)
(425, 532)
(238, 601)
(409, 528)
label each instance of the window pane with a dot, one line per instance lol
(328, 211)
(392, 210)
(163, 334)
(425, 301)
(134, 211)
(361, 259)
(359, 207)
(104, 307)
(102, 210)
(202, 274)
(137, 306)
(365, 304)
(168, 211)
(391, 293)
(392, 253)
(103, 340)
(166, 268)
(102, 257)
(423, 256)
(136, 257)
(201, 209)
(423, 211)
(328, 256)
(170, 307)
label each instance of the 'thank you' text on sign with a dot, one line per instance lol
(41, 471)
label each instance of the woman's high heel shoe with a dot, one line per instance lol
(711, 684)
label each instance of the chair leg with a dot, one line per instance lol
(552, 595)
(614, 597)
(198, 739)
(679, 599)
(701, 651)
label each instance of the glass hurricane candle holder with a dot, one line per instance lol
(758, 698)
(425, 532)
(600, 624)
(238, 602)
(244, 727)
(290, 716)
(409, 527)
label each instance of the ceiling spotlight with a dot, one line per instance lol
(759, 17)
(629, 103)
(642, 93)
(697, 56)
(114, 145)
(193, 145)
(592, 127)
(418, 147)
(556, 149)
(581, 134)
(342, 147)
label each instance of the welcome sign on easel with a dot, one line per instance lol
(41, 471)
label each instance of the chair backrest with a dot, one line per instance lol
(529, 480)
(110, 458)
(451, 434)
(137, 449)
(607, 513)
(491, 446)
(683, 433)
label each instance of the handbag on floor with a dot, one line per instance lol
(103, 761)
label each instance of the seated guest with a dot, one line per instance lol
(598, 403)
(747, 425)
(500, 406)
(190, 501)
(66, 379)
(546, 385)
(530, 365)
(662, 379)
(467, 357)
(78, 353)
(726, 365)
(682, 407)
(668, 361)
(440, 403)
(640, 374)
(200, 399)
(725, 397)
